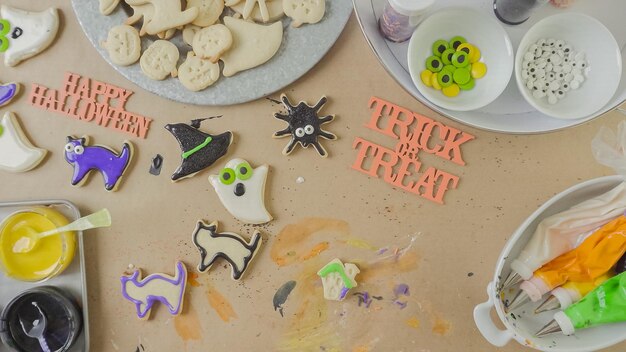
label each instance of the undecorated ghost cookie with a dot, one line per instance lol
(253, 45)
(304, 11)
(196, 73)
(211, 42)
(159, 60)
(123, 45)
(209, 11)
(274, 9)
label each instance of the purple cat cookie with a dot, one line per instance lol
(8, 91)
(85, 158)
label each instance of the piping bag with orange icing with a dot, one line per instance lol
(570, 293)
(562, 232)
(592, 259)
(604, 305)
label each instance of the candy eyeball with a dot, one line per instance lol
(299, 132)
(308, 129)
(69, 147)
(79, 149)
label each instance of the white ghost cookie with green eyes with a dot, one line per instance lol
(241, 190)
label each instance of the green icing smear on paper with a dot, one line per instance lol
(197, 148)
(336, 268)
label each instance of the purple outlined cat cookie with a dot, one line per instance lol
(85, 158)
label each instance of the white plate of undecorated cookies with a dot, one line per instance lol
(212, 52)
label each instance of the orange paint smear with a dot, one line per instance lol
(407, 262)
(315, 251)
(289, 241)
(413, 322)
(192, 279)
(441, 326)
(188, 326)
(361, 349)
(220, 304)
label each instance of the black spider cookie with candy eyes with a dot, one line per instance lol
(304, 125)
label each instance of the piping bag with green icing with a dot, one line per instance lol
(562, 232)
(604, 305)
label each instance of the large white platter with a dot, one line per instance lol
(510, 113)
(300, 50)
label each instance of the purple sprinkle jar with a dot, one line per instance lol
(400, 18)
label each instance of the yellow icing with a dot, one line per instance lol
(49, 257)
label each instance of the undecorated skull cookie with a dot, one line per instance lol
(123, 44)
(304, 11)
(211, 42)
(196, 73)
(159, 60)
(209, 11)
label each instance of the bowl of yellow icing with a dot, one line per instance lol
(49, 257)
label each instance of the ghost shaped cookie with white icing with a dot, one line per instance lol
(25, 34)
(241, 190)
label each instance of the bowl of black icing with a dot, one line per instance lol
(22, 317)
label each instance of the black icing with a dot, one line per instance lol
(155, 166)
(16, 33)
(240, 189)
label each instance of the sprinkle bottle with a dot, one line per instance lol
(400, 18)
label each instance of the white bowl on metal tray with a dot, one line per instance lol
(585, 34)
(480, 30)
(522, 324)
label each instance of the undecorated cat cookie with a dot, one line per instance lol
(253, 45)
(159, 60)
(196, 73)
(209, 11)
(166, 14)
(211, 42)
(123, 45)
(304, 11)
(189, 32)
(274, 9)
(25, 34)
(107, 6)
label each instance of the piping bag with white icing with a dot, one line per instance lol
(564, 231)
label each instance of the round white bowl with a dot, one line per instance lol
(480, 30)
(586, 34)
(524, 324)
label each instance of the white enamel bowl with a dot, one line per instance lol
(583, 33)
(479, 29)
(525, 323)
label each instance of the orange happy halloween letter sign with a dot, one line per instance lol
(414, 133)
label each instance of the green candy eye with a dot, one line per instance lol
(469, 85)
(6, 27)
(4, 44)
(434, 64)
(244, 171)
(461, 76)
(450, 68)
(227, 176)
(446, 57)
(445, 79)
(460, 59)
(456, 41)
(439, 47)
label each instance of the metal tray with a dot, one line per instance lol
(510, 113)
(72, 279)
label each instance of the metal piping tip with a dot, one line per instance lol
(520, 299)
(511, 280)
(550, 328)
(551, 303)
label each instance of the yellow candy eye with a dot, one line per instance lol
(451, 90)
(479, 69)
(426, 77)
(434, 81)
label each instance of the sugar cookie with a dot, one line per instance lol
(166, 15)
(305, 127)
(8, 91)
(242, 191)
(25, 34)
(226, 245)
(107, 6)
(253, 45)
(338, 279)
(189, 32)
(274, 9)
(209, 11)
(159, 60)
(86, 158)
(211, 42)
(199, 150)
(156, 288)
(123, 45)
(196, 73)
(17, 154)
(231, 2)
(168, 34)
(304, 11)
(250, 5)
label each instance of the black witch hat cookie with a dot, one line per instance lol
(304, 125)
(199, 149)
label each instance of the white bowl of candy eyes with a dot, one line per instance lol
(568, 66)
